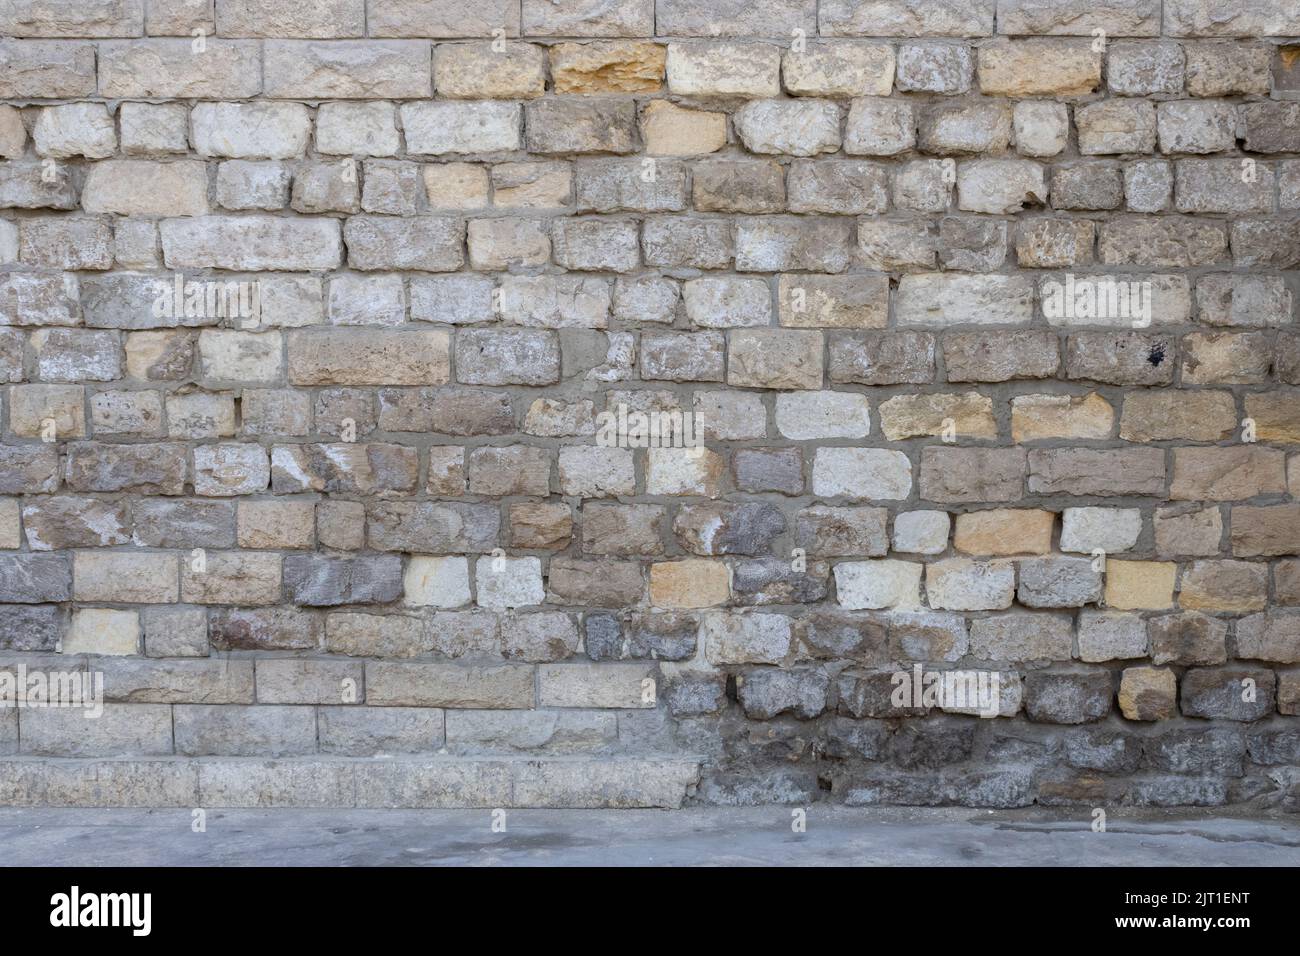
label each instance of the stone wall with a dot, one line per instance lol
(347, 346)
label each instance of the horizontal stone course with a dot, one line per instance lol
(500, 781)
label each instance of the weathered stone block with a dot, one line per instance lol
(972, 474)
(722, 68)
(960, 584)
(1004, 531)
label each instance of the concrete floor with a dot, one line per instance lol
(697, 837)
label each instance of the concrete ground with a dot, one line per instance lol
(835, 836)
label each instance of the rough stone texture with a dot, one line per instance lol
(670, 130)
(1004, 531)
(650, 383)
(1016, 68)
(1147, 693)
(1111, 635)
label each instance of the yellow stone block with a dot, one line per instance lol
(689, 584)
(1140, 585)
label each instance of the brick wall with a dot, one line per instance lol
(347, 342)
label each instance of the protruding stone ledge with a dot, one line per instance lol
(436, 782)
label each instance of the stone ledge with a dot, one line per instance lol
(442, 782)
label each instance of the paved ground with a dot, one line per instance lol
(706, 837)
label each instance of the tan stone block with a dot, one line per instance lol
(1140, 585)
(1055, 243)
(1148, 693)
(162, 355)
(100, 630)
(961, 584)
(1039, 68)
(1227, 473)
(1003, 531)
(840, 68)
(774, 358)
(670, 130)
(345, 69)
(1060, 416)
(437, 581)
(1170, 414)
(1234, 587)
(540, 524)
(964, 415)
(442, 684)
(11, 537)
(1286, 581)
(169, 67)
(56, 411)
(621, 66)
(13, 135)
(275, 524)
(143, 188)
(477, 71)
(369, 357)
(846, 302)
(1188, 533)
(446, 471)
(456, 186)
(1276, 416)
(689, 583)
(1288, 692)
(124, 577)
(978, 475)
(503, 243)
(232, 577)
(1226, 358)
(724, 68)
(685, 471)
(618, 529)
(231, 355)
(341, 524)
(389, 635)
(545, 185)
(1265, 530)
